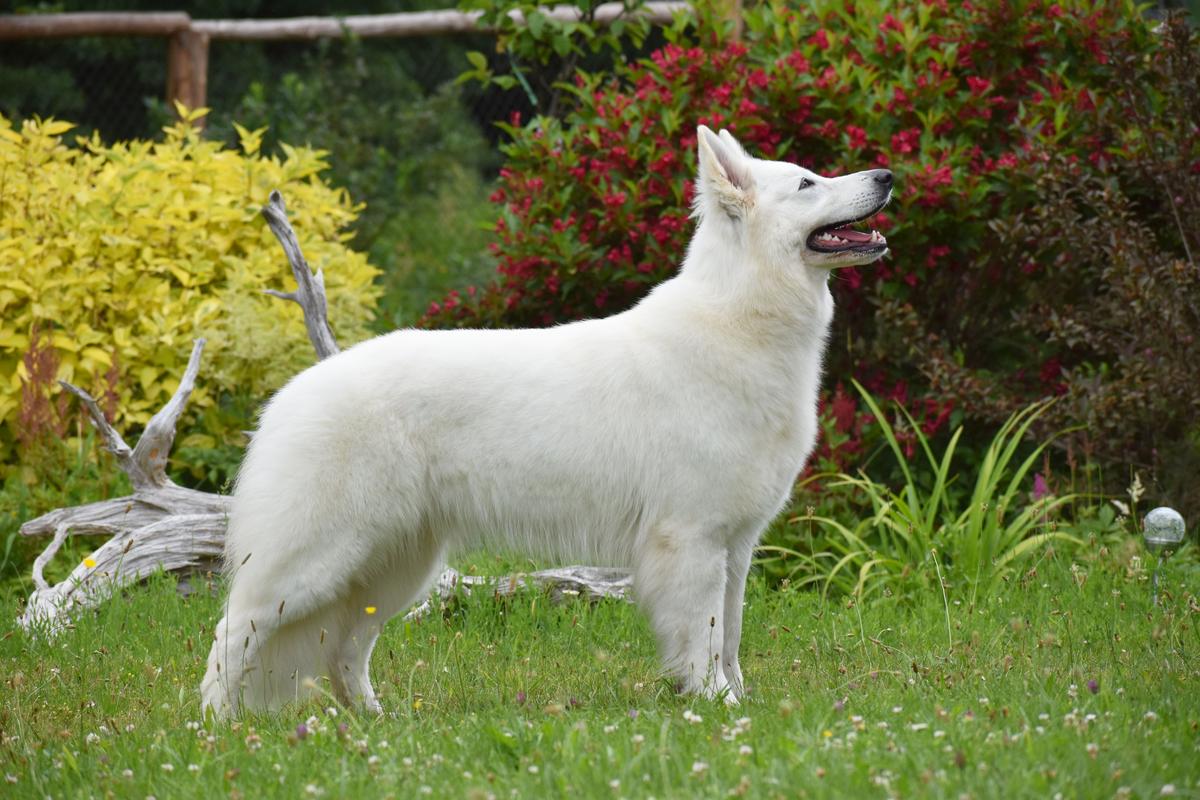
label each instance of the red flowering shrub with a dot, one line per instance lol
(946, 95)
(954, 98)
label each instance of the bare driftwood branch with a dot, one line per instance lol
(563, 582)
(163, 526)
(310, 289)
(159, 526)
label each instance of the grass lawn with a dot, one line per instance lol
(1069, 682)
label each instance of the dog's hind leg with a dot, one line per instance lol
(390, 591)
(262, 654)
(680, 582)
(282, 615)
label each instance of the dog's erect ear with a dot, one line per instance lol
(725, 177)
(733, 143)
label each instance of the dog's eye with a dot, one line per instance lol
(804, 184)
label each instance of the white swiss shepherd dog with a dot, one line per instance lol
(663, 439)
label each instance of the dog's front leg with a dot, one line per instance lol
(680, 582)
(737, 566)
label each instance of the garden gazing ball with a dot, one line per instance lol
(1163, 530)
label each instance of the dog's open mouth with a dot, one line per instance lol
(841, 238)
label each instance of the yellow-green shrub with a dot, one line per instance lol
(120, 255)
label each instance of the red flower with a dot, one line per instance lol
(978, 85)
(844, 409)
(857, 136)
(906, 141)
(614, 200)
(797, 61)
(820, 39)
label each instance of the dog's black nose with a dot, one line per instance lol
(883, 177)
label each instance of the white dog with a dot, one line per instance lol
(664, 438)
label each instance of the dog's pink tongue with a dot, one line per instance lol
(851, 235)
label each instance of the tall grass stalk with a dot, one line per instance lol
(979, 540)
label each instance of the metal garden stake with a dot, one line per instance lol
(1163, 531)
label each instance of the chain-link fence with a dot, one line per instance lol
(102, 83)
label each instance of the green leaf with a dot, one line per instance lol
(562, 45)
(478, 60)
(536, 22)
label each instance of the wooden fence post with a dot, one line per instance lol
(187, 70)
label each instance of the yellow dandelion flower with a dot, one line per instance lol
(370, 610)
(89, 562)
(828, 734)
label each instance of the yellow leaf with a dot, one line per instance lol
(64, 342)
(96, 354)
(56, 127)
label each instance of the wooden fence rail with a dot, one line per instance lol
(188, 39)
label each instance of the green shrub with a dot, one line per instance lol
(113, 258)
(416, 158)
(544, 52)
